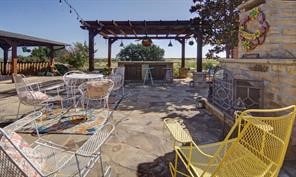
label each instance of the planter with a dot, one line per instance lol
(183, 72)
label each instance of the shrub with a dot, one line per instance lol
(61, 68)
(77, 55)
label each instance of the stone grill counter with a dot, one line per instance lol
(134, 70)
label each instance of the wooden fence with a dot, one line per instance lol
(27, 68)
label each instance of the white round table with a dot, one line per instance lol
(85, 76)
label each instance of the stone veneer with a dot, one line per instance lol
(281, 37)
(279, 78)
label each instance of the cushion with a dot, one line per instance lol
(33, 96)
(34, 156)
(97, 89)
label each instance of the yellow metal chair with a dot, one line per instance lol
(255, 146)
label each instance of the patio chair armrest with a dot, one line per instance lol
(43, 142)
(204, 149)
(292, 107)
(34, 86)
(23, 122)
(58, 87)
(95, 141)
(196, 147)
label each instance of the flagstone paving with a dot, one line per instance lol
(140, 146)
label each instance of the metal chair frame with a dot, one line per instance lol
(118, 82)
(85, 100)
(255, 146)
(22, 87)
(59, 160)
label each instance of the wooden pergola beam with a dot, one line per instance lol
(151, 37)
(199, 52)
(119, 28)
(110, 42)
(145, 27)
(103, 34)
(181, 32)
(169, 29)
(112, 32)
(91, 51)
(132, 28)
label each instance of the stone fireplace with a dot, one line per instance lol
(273, 59)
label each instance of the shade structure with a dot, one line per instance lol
(179, 30)
(13, 40)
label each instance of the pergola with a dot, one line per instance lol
(116, 30)
(13, 40)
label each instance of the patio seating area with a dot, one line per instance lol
(221, 103)
(140, 144)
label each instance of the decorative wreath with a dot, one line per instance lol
(251, 40)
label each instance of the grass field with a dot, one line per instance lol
(189, 63)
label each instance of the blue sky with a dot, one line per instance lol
(52, 20)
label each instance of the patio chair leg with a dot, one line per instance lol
(101, 163)
(122, 91)
(151, 78)
(18, 110)
(145, 78)
(176, 165)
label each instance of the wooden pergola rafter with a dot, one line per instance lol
(179, 30)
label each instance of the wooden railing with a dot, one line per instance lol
(8, 68)
(27, 68)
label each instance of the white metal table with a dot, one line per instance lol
(75, 79)
(84, 76)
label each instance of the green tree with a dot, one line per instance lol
(220, 23)
(41, 53)
(76, 55)
(138, 52)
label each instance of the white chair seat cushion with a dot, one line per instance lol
(34, 156)
(33, 96)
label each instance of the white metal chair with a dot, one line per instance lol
(120, 71)
(97, 91)
(44, 158)
(31, 94)
(118, 82)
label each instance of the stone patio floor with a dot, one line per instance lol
(140, 146)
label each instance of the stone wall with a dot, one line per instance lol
(279, 79)
(280, 42)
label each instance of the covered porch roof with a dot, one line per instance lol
(7, 38)
(13, 40)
